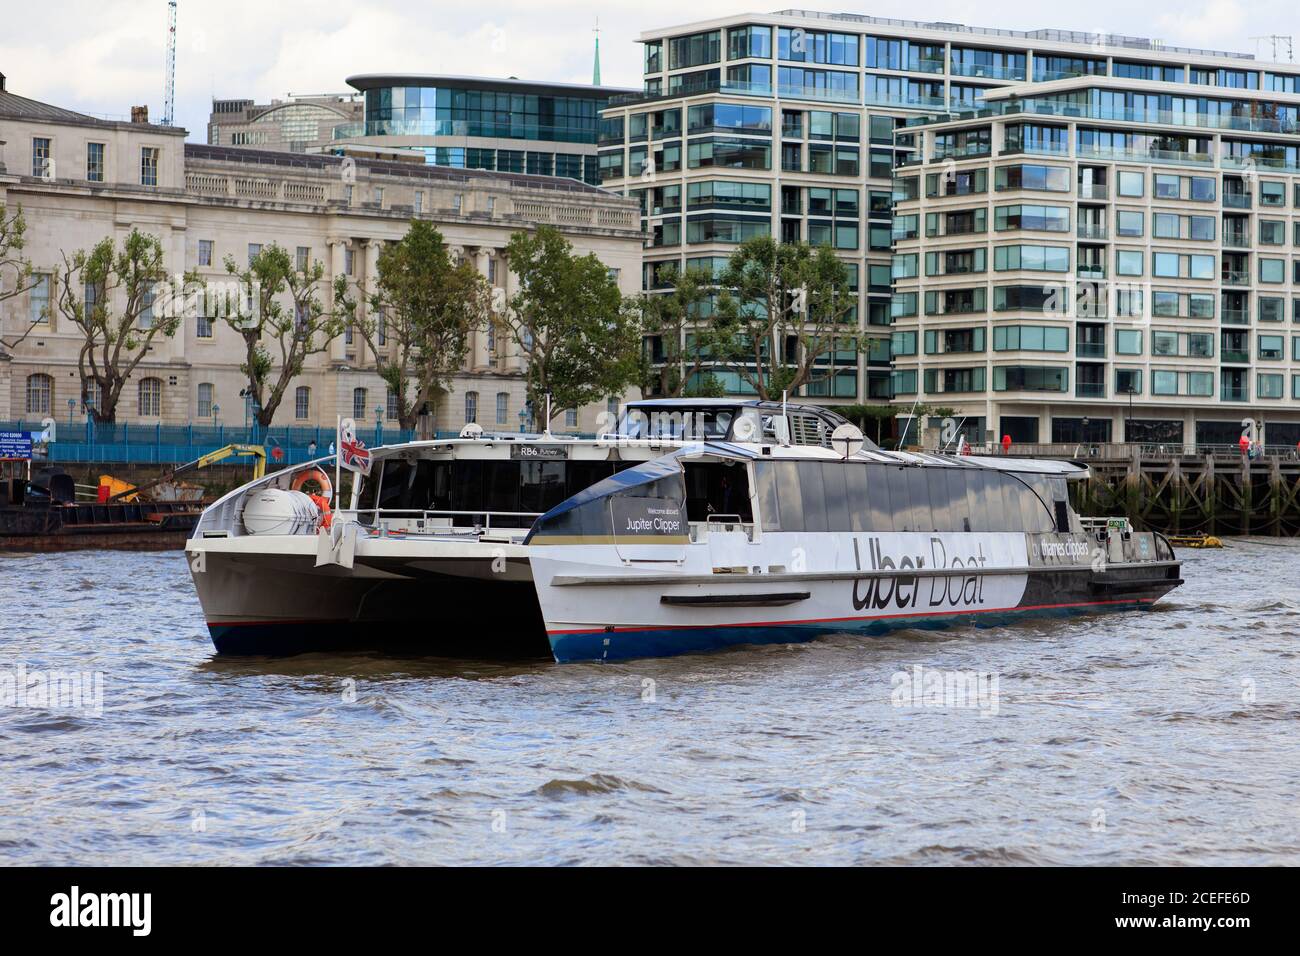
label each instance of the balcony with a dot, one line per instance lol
(1237, 240)
(1092, 350)
(1091, 271)
(1092, 230)
(1236, 356)
(1236, 277)
(1236, 317)
(1234, 393)
(985, 71)
(1090, 390)
(1236, 200)
(1093, 191)
(961, 152)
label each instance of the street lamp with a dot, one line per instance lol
(72, 409)
(379, 424)
(216, 410)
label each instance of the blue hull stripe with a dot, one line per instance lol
(572, 646)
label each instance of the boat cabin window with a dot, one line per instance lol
(717, 488)
(688, 424)
(477, 486)
(870, 496)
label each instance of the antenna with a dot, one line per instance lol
(169, 81)
(1279, 41)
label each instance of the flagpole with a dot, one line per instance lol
(338, 458)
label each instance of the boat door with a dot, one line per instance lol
(719, 507)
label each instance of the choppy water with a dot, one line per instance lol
(1163, 738)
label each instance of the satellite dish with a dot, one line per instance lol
(472, 430)
(745, 429)
(847, 439)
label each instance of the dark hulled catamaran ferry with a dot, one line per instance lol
(716, 523)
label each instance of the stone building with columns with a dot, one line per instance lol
(79, 179)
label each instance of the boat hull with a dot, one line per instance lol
(653, 615)
(280, 604)
(666, 641)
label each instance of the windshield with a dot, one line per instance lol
(687, 424)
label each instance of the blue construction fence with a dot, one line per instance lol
(175, 444)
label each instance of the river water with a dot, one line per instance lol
(1165, 737)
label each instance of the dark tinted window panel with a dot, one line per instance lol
(765, 478)
(835, 490)
(936, 480)
(812, 491)
(858, 497)
(958, 509)
(900, 499)
(975, 507)
(787, 483)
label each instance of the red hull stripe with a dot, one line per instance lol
(871, 617)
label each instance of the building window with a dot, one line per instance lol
(95, 162)
(42, 166)
(205, 400)
(471, 407)
(203, 327)
(40, 299)
(381, 329)
(146, 310)
(571, 418)
(148, 165)
(303, 258)
(205, 252)
(419, 202)
(254, 250)
(503, 408)
(391, 409)
(379, 196)
(359, 404)
(40, 394)
(302, 403)
(347, 262)
(149, 398)
(456, 202)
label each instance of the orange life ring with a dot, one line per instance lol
(316, 475)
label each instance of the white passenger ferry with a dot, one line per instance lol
(699, 525)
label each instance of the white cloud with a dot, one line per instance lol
(109, 55)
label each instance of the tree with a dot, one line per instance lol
(686, 341)
(425, 306)
(269, 282)
(783, 307)
(580, 338)
(15, 271)
(861, 414)
(112, 296)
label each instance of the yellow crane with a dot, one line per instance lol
(256, 452)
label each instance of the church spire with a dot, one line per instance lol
(595, 70)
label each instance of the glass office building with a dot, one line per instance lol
(544, 129)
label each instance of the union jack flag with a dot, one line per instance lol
(353, 453)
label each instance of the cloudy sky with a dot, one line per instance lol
(103, 56)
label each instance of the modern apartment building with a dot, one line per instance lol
(814, 126)
(1113, 256)
(78, 180)
(296, 124)
(511, 126)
